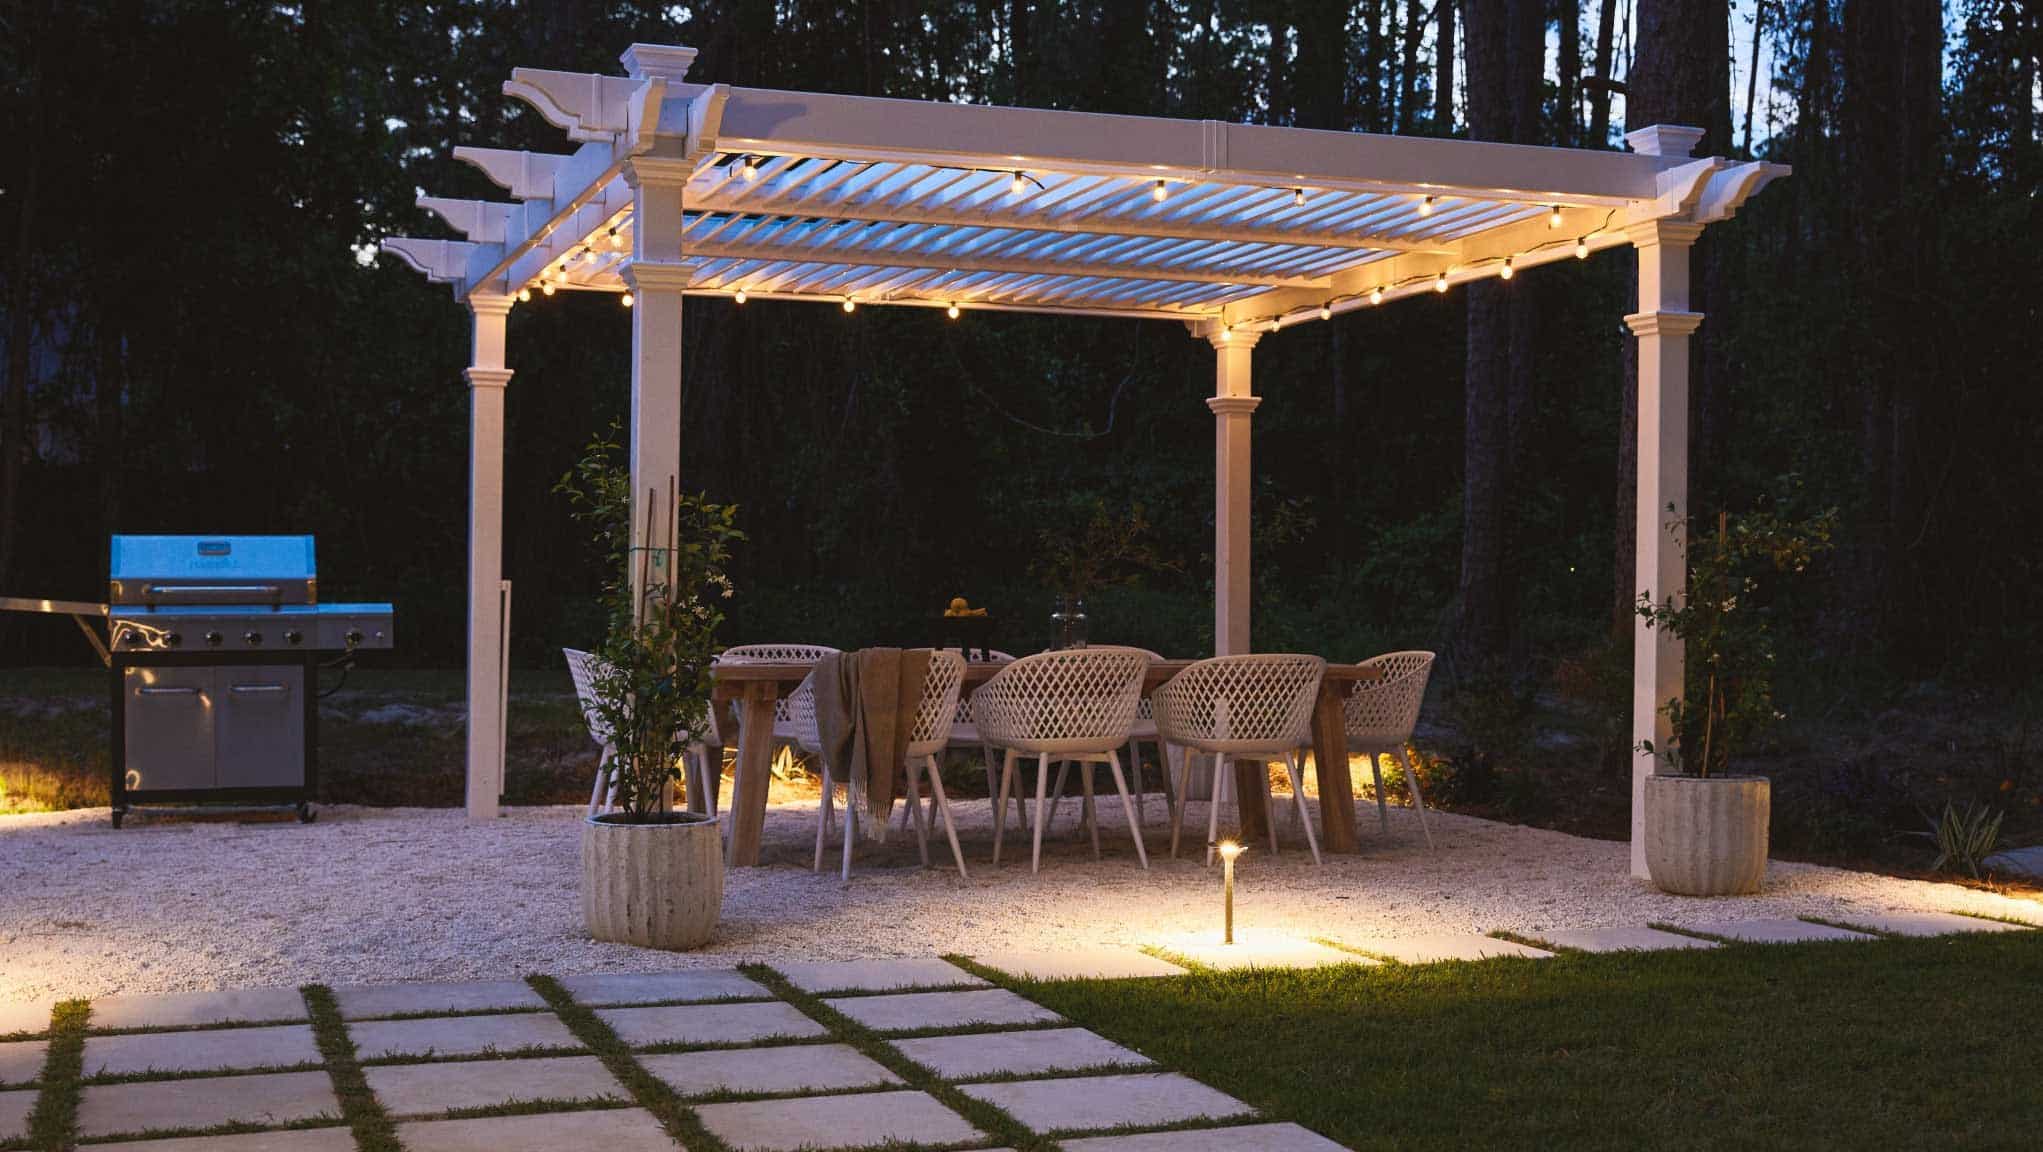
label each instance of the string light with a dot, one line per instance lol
(1582, 248)
(951, 311)
(1298, 197)
(628, 300)
(850, 304)
(1015, 187)
(740, 297)
(547, 287)
(749, 169)
(1160, 191)
(1376, 294)
(1553, 217)
(616, 239)
(1506, 272)
(589, 256)
(1440, 282)
(524, 295)
(1226, 334)
(1426, 206)
(1326, 310)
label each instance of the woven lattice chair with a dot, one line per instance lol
(1380, 716)
(933, 719)
(965, 731)
(1144, 729)
(783, 724)
(1075, 705)
(702, 778)
(1257, 708)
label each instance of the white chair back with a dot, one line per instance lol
(1382, 713)
(1255, 703)
(939, 707)
(1072, 700)
(784, 724)
(583, 667)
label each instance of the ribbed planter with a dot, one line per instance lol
(653, 885)
(1707, 837)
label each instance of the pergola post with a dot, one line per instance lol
(656, 275)
(1662, 325)
(1233, 402)
(487, 379)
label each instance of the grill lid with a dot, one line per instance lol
(212, 570)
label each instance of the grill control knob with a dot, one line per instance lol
(213, 639)
(174, 639)
(353, 637)
(294, 637)
(254, 639)
(136, 639)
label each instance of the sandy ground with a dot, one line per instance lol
(370, 895)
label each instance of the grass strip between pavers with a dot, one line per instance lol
(652, 1093)
(372, 1126)
(54, 1123)
(988, 1118)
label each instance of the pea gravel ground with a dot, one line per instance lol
(374, 895)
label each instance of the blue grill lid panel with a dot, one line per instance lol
(228, 559)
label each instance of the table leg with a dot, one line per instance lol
(1330, 755)
(1249, 778)
(755, 771)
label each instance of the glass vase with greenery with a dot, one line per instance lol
(652, 679)
(1726, 625)
(1096, 547)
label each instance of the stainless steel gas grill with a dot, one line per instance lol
(214, 646)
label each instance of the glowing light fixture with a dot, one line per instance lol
(1440, 282)
(1298, 197)
(628, 300)
(1426, 206)
(1159, 191)
(1376, 295)
(740, 297)
(1582, 248)
(1226, 334)
(1553, 217)
(616, 238)
(1015, 186)
(1506, 272)
(547, 287)
(749, 169)
(1229, 850)
(951, 311)
(524, 295)
(1326, 310)
(850, 304)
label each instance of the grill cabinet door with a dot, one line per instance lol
(169, 718)
(262, 726)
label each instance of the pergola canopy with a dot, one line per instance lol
(817, 196)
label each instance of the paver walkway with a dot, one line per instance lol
(840, 1055)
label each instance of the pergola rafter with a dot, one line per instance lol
(1234, 230)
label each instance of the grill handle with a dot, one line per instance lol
(179, 690)
(213, 593)
(258, 689)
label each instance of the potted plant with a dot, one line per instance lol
(1707, 826)
(652, 876)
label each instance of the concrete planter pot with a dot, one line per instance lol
(653, 885)
(1707, 837)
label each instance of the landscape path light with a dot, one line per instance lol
(1229, 849)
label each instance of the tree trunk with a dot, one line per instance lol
(1752, 70)
(1408, 69)
(1443, 69)
(15, 448)
(1568, 74)
(1599, 102)
(1019, 15)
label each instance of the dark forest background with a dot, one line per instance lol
(193, 342)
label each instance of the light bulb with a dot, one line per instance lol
(1326, 311)
(740, 297)
(547, 287)
(616, 239)
(560, 273)
(1553, 217)
(1440, 282)
(628, 300)
(1582, 248)
(850, 305)
(750, 169)
(524, 295)
(951, 311)
(1160, 191)
(1226, 334)
(1426, 206)
(1015, 187)
(1506, 272)
(1298, 197)
(1376, 295)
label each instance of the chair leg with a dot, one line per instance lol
(942, 805)
(1418, 798)
(1091, 812)
(1269, 804)
(850, 827)
(1135, 778)
(822, 821)
(1218, 789)
(1134, 823)
(602, 779)
(1042, 781)
(1382, 806)
(1000, 812)
(1056, 794)
(1298, 804)
(1177, 808)
(915, 807)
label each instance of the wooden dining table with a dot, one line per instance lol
(754, 688)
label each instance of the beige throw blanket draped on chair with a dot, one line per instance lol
(866, 703)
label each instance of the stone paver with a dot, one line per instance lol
(1261, 1137)
(1079, 964)
(1427, 949)
(1640, 939)
(1925, 923)
(187, 1009)
(1773, 931)
(612, 1130)
(427, 1089)
(794, 1068)
(14, 1110)
(876, 975)
(334, 1139)
(209, 1050)
(651, 987)
(405, 999)
(460, 1035)
(911, 1010)
(275, 1099)
(836, 1122)
(709, 1024)
(1145, 1099)
(1261, 951)
(1016, 1053)
(22, 1060)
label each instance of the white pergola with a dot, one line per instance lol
(1234, 230)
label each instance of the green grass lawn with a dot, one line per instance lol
(1897, 1044)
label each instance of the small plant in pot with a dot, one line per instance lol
(1707, 826)
(652, 876)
